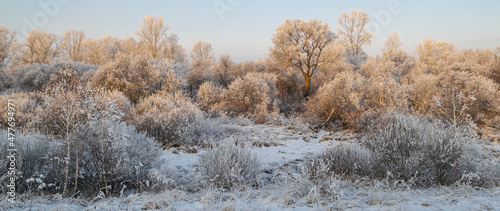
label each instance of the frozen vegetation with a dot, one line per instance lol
(126, 124)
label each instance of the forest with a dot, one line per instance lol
(101, 124)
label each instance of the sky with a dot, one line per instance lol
(244, 28)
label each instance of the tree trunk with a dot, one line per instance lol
(66, 167)
(308, 85)
(103, 171)
(76, 164)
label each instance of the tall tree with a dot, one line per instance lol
(173, 50)
(202, 55)
(431, 51)
(202, 59)
(7, 41)
(391, 51)
(152, 32)
(302, 45)
(38, 47)
(353, 31)
(72, 43)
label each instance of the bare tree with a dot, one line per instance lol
(301, 45)
(152, 33)
(38, 47)
(353, 31)
(72, 43)
(7, 41)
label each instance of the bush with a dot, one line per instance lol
(112, 154)
(229, 166)
(26, 105)
(290, 92)
(135, 77)
(173, 119)
(342, 159)
(38, 77)
(244, 95)
(209, 95)
(341, 99)
(6, 81)
(463, 95)
(109, 154)
(385, 93)
(32, 158)
(122, 102)
(427, 152)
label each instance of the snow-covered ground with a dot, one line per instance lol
(282, 150)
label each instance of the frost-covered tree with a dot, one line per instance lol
(434, 55)
(385, 93)
(170, 118)
(244, 95)
(391, 51)
(100, 51)
(63, 112)
(222, 72)
(422, 92)
(72, 43)
(135, 77)
(202, 55)
(302, 45)
(153, 32)
(463, 96)
(478, 62)
(7, 42)
(173, 50)
(38, 47)
(202, 59)
(130, 46)
(353, 31)
(209, 95)
(341, 99)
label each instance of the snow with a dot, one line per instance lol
(287, 148)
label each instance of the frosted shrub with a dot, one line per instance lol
(209, 94)
(228, 165)
(6, 81)
(71, 72)
(37, 77)
(33, 76)
(31, 159)
(463, 95)
(289, 92)
(342, 159)
(385, 93)
(244, 95)
(341, 98)
(416, 149)
(134, 77)
(114, 155)
(27, 103)
(173, 119)
(422, 92)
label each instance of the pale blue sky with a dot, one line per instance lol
(247, 26)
